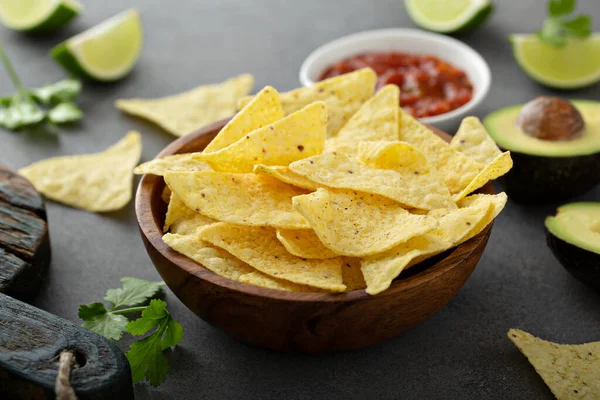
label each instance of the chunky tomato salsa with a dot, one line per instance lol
(429, 86)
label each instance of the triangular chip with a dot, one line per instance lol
(183, 113)
(343, 95)
(263, 110)
(304, 243)
(498, 167)
(212, 258)
(176, 211)
(257, 278)
(183, 220)
(259, 247)
(456, 169)
(297, 136)
(455, 227)
(246, 199)
(571, 371)
(177, 162)
(393, 155)
(98, 182)
(340, 171)
(284, 174)
(359, 224)
(352, 275)
(473, 141)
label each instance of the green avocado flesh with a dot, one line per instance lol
(577, 224)
(502, 127)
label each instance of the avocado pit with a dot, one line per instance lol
(551, 118)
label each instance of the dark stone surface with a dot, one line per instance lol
(460, 353)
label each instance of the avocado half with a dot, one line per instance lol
(548, 171)
(574, 237)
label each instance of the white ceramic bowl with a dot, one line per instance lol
(411, 41)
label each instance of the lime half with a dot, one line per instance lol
(38, 15)
(448, 16)
(106, 52)
(573, 66)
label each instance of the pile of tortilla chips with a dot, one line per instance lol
(329, 188)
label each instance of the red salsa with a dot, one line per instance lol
(428, 86)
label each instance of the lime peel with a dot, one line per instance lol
(38, 15)
(445, 16)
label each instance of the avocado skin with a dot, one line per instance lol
(582, 264)
(541, 180)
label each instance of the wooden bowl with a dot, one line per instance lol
(308, 322)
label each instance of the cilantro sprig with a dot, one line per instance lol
(145, 355)
(560, 24)
(38, 108)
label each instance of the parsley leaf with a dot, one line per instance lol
(557, 29)
(135, 291)
(98, 319)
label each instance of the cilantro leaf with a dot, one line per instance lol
(151, 316)
(173, 335)
(64, 113)
(97, 319)
(556, 29)
(58, 92)
(580, 26)
(558, 8)
(135, 291)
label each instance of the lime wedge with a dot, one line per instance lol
(106, 52)
(448, 16)
(38, 15)
(570, 67)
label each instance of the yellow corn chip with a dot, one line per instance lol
(94, 182)
(263, 280)
(359, 224)
(177, 162)
(297, 136)
(214, 259)
(264, 109)
(183, 113)
(259, 247)
(304, 243)
(183, 220)
(176, 211)
(352, 275)
(456, 169)
(166, 194)
(455, 226)
(340, 171)
(284, 174)
(473, 141)
(498, 167)
(571, 371)
(246, 199)
(394, 155)
(343, 95)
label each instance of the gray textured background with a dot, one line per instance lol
(460, 353)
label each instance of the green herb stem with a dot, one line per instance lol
(12, 73)
(129, 310)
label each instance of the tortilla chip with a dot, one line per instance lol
(284, 174)
(455, 227)
(263, 280)
(183, 220)
(165, 196)
(343, 95)
(297, 136)
(259, 247)
(456, 169)
(571, 371)
(304, 243)
(340, 171)
(352, 275)
(498, 167)
(359, 224)
(98, 182)
(214, 259)
(245, 199)
(264, 109)
(176, 211)
(177, 162)
(473, 141)
(184, 113)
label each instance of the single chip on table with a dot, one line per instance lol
(343, 95)
(212, 258)
(457, 169)
(473, 141)
(257, 278)
(98, 182)
(455, 227)
(183, 113)
(352, 275)
(177, 162)
(571, 371)
(264, 109)
(181, 219)
(246, 199)
(284, 174)
(304, 243)
(498, 167)
(259, 247)
(359, 224)
(297, 136)
(410, 188)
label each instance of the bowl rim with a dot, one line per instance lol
(480, 92)
(152, 232)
